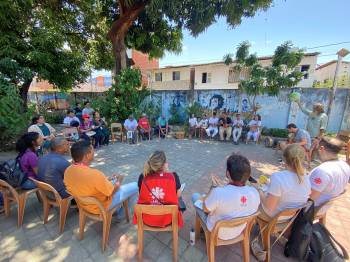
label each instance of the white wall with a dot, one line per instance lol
(328, 72)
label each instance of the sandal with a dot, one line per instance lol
(257, 250)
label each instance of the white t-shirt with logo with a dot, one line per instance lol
(292, 193)
(203, 123)
(228, 202)
(330, 179)
(255, 123)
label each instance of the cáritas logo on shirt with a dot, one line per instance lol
(243, 200)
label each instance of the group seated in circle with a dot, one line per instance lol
(226, 127)
(233, 197)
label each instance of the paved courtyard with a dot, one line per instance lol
(194, 161)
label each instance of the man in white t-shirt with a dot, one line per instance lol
(130, 126)
(254, 129)
(193, 125)
(212, 130)
(231, 201)
(329, 179)
(237, 128)
(70, 118)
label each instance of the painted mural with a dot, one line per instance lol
(223, 100)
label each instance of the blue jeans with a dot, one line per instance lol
(1, 200)
(127, 191)
(28, 184)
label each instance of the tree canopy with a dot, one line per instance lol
(282, 73)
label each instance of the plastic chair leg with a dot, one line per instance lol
(82, 221)
(63, 214)
(126, 210)
(22, 198)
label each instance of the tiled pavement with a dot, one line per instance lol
(194, 161)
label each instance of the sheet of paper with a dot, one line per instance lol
(199, 204)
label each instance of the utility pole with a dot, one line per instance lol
(341, 54)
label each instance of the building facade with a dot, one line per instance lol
(217, 75)
(325, 74)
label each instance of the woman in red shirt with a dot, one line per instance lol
(157, 186)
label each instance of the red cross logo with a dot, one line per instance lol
(317, 181)
(243, 200)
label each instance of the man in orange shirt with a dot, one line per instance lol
(81, 180)
(145, 127)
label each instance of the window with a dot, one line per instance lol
(234, 76)
(305, 70)
(176, 75)
(206, 77)
(158, 77)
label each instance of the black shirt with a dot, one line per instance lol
(78, 110)
(177, 181)
(225, 121)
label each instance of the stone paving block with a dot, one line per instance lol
(153, 249)
(193, 254)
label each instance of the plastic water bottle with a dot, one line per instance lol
(192, 237)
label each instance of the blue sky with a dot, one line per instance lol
(307, 23)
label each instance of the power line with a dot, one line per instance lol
(333, 44)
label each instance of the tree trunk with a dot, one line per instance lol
(23, 92)
(119, 29)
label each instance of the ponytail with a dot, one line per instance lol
(294, 156)
(155, 163)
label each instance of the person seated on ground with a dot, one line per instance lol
(289, 188)
(237, 128)
(158, 186)
(163, 127)
(70, 118)
(254, 129)
(130, 126)
(83, 181)
(329, 179)
(27, 147)
(145, 128)
(101, 129)
(233, 200)
(45, 130)
(85, 128)
(213, 122)
(52, 166)
(88, 110)
(300, 137)
(225, 127)
(192, 121)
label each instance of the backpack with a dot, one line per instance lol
(12, 172)
(298, 245)
(324, 247)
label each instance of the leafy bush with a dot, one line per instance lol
(151, 108)
(195, 108)
(275, 132)
(123, 98)
(175, 117)
(13, 121)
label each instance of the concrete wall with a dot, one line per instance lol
(276, 112)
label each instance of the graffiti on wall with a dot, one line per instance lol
(223, 100)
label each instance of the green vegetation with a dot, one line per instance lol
(343, 81)
(194, 109)
(260, 80)
(123, 98)
(275, 132)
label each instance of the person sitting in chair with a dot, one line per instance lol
(254, 129)
(163, 127)
(213, 122)
(130, 126)
(83, 181)
(237, 128)
(70, 118)
(225, 127)
(52, 166)
(329, 179)
(145, 128)
(233, 200)
(158, 186)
